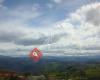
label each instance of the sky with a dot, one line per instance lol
(56, 27)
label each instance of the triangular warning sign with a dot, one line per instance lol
(36, 54)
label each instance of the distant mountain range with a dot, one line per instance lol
(26, 64)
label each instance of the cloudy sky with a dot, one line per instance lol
(56, 27)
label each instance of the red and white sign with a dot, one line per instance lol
(36, 54)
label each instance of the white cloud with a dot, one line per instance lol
(50, 6)
(76, 35)
(1, 5)
(1, 1)
(82, 32)
(58, 1)
(24, 13)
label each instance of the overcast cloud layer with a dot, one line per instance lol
(75, 35)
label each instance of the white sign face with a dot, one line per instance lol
(35, 54)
